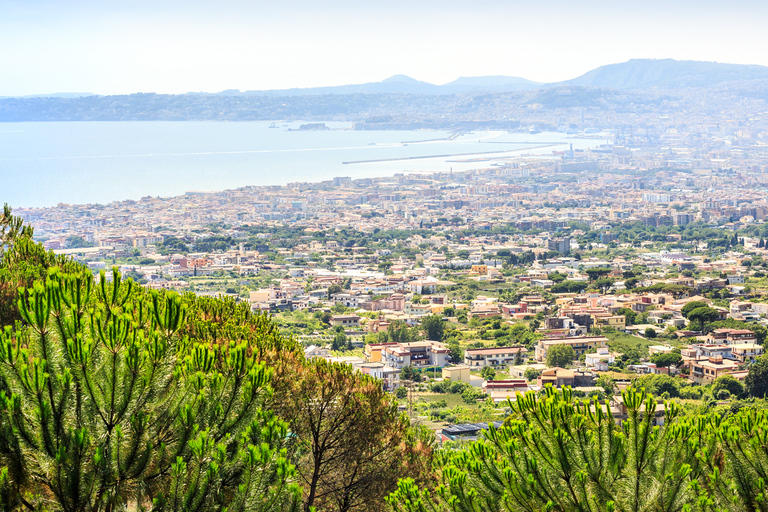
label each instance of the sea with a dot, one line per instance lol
(47, 163)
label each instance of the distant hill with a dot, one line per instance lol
(402, 84)
(666, 73)
(54, 95)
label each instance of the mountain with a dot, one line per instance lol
(54, 95)
(666, 73)
(402, 84)
(496, 81)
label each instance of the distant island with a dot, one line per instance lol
(315, 127)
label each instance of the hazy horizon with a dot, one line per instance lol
(176, 47)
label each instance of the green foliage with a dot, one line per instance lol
(560, 355)
(471, 394)
(350, 441)
(691, 306)
(488, 373)
(650, 333)
(629, 314)
(433, 327)
(105, 400)
(172, 245)
(666, 360)
(76, 242)
(408, 373)
(607, 384)
(569, 287)
(556, 453)
(531, 374)
(728, 383)
(756, 382)
(703, 315)
(658, 384)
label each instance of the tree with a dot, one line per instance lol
(629, 314)
(691, 306)
(455, 352)
(650, 333)
(557, 453)
(604, 283)
(399, 332)
(658, 384)
(756, 381)
(351, 443)
(728, 383)
(666, 360)
(703, 315)
(433, 327)
(531, 374)
(488, 373)
(408, 373)
(595, 273)
(109, 396)
(76, 242)
(340, 342)
(560, 355)
(471, 394)
(607, 384)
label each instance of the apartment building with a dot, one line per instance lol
(494, 356)
(581, 345)
(705, 371)
(345, 320)
(746, 352)
(416, 354)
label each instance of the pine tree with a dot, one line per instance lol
(103, 402)
(559, 454)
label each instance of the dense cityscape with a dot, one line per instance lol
(582, 307)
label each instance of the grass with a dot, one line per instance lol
(455, 406)
(622, 342)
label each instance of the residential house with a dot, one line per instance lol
(581, 345)
(494, 356)
(345, 321)
(417, 354)
(500, 390)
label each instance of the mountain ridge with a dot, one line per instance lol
(632, 74)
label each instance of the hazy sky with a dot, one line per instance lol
(173, 46)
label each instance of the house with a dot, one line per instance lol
(580, 344)
(494, 356)
(706, 370)
(350, 300)
(314, 351)
(601, 356)
(503, 389)
(620, 411)
(466, 431)
(746, 352)
(457, 373)
(518, 372)
(731, 336)
(417, 354)
(417, 309)
(345, 321)
(373, 351)
(560, 377)
(659, 349)
(374, 369)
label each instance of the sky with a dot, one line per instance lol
(177, 46)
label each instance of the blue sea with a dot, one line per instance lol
(43, 164)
